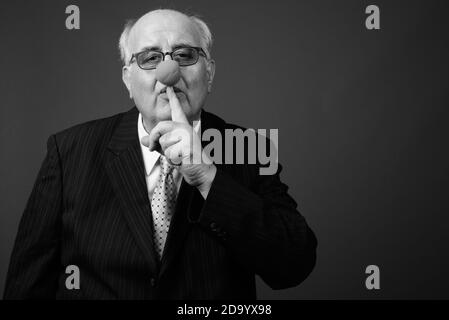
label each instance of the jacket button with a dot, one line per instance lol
(214, 226)
(153, 282)
(223, 235)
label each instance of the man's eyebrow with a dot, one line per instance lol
(177, 46)
(149, 48)
(182, 45)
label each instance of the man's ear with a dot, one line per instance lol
(126, 79)
(210, 74)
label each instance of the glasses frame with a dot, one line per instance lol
(134, 56)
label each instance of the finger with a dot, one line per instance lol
(169, 139)
(177, 114)
(145, 141)
(152, 145)
(174, 154)
(159, 130)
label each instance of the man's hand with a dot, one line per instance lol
(182, 147)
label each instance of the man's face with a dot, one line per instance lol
(165, 31)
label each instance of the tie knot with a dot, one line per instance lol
(165, 165)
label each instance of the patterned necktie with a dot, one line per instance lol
(163, 204)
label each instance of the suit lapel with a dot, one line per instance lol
(188, 206)
(179, 227)
(125, 168)
(126, 171)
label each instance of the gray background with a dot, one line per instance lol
(362, 118)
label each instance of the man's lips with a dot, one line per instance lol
(164, 90)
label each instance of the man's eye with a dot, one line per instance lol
(183, 55)
(151, 58)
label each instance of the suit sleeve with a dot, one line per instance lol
(34, 264)
(261, 227)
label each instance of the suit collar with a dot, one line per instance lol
(125, 134)
(209, 121)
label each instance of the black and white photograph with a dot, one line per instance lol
(224, 151)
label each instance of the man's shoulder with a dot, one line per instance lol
(214, 121)
(90, 130)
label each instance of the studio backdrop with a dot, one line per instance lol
(361, 110)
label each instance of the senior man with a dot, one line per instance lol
(110, 200)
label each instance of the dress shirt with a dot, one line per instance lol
(151, 160)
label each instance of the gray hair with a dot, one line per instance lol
(203, 30)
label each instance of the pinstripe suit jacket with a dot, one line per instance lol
(89, 207)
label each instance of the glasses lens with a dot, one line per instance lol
(185, 56)
(149, 59)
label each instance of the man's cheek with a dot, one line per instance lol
(144, 90)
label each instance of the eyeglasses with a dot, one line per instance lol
(185, 56)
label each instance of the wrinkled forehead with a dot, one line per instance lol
(163, 31)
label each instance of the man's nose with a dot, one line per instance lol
(167, 54)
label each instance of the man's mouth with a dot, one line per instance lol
(164, 90)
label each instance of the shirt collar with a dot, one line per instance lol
(151, 157)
